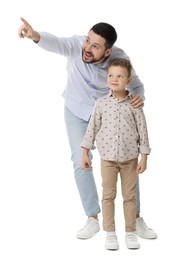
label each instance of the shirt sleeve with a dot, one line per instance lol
(93, 128)
(140, 119)
(60, 45)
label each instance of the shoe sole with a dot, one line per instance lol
(82, 237)
(132, 248)
(142, 236)
(112, 249)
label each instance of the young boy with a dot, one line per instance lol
(120, 132)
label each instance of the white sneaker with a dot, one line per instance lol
(131, 240)
(111, 242)
(143, 231)
(90, 229)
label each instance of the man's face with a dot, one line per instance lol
(93, 50)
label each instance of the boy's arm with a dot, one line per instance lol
(143, 142)
(144, 147)
(141, 167)
(86, 163)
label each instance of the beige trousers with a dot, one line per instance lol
(128, 176)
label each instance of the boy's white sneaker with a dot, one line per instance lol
(90, 229)
(143, 231)
(131, 240)
(111, 242)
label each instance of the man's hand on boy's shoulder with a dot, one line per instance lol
(137, 102)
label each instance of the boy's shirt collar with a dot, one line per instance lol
(129, 95)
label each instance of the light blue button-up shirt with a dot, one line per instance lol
(86, 81)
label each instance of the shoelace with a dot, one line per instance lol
(112, 238)
(88, 222)
(132, 237)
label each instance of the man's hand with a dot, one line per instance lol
(137, 102)
(27, 31)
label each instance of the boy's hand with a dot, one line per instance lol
(141, 167)
(86, 163)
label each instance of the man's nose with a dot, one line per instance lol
(88, 47)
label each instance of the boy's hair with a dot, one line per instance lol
(106, 31)
(124, 63)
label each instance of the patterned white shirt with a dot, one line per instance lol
(120, 131)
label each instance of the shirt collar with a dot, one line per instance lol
(129, 96)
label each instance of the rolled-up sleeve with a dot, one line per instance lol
(144, 147)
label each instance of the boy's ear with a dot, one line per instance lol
(129, 80)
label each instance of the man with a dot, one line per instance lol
(87, 57)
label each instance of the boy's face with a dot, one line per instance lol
(93, 50)
(118, 78)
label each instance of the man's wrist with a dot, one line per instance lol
(36, 37)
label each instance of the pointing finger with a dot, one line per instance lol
(24, 21)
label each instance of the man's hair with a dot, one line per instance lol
(124, 63)
(106, 31)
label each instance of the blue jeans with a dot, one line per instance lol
(76, 129)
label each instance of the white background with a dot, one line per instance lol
(40, 209)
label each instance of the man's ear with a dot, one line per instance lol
(108, 52)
